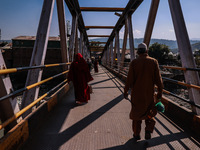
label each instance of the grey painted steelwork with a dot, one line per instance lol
(151, 21)
(81, 43)
(129, 9)
(131, 39)
(185, 50)
(99, 27)
(74, 8)
(63, 34)
(117, 49)
(104, 9)
(76, 42)
(9, 106)
(39, 53)
(124, 44)
(73, 37)
(111, 53)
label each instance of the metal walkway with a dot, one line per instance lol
(104, 123)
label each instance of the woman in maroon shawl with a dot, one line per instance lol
(80, 75)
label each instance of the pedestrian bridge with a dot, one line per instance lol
(102, 123)
(52, 120)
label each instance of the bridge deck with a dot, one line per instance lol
(103, 123)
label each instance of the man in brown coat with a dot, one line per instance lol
(142, 77)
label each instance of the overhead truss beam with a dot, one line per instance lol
(107, 9)
(129, 9)
(74, 9)
(99, 27)
(98, 42)
(98, 35)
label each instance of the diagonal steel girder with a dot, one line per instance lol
(129, 10)
(74, 9)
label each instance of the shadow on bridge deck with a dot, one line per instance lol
(103, 123)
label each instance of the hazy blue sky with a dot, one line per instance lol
(22, 17)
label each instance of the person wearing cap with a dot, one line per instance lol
(142, 77)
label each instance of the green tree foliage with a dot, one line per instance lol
(161, 53)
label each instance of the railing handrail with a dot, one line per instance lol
(13, 70)
(32, 86)
(18, 114)
(180, 68)
(182, 83)
(183, 99)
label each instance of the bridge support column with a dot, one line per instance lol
(111, 53)
(63, 35)
(76, 42)
(124, 44)
(187, 59)
(114, 53)
(117, 49)
(8, 107)
(73, 37)
(107, 54)
(81, 43)
(109, 49)
(151, 20)
(131, 40)
(39, 53)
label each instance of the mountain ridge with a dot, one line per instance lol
(195, 44)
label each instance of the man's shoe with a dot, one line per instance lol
(136, 137)
(147, 135)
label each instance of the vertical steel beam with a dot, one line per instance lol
(131, 40)
(82, 50)
(109, 49)
(73, 37)
(76, 42)
(118, 49)
(8, 107)
(62, 29)
(81, 42)
(85, 49)
(108, 59)
(111, 52)
(39, 53)
(104, 58)
(115, 52)
(124, 44)
(187, 58)
(151, 20)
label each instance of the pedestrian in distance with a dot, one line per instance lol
(96, 66)
(142, 77)
(89, 64)
(80, 75)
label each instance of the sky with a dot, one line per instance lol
(21, 18)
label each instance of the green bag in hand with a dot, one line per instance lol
(160, 107)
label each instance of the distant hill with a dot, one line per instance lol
(196, 46)
(171, 43)
(193, 45)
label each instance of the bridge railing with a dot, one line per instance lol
(19, 91)
(123, 69)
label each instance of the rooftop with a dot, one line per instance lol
(34, 37)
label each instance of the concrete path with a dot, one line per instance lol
(104, 123)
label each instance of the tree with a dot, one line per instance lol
(161, 53)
